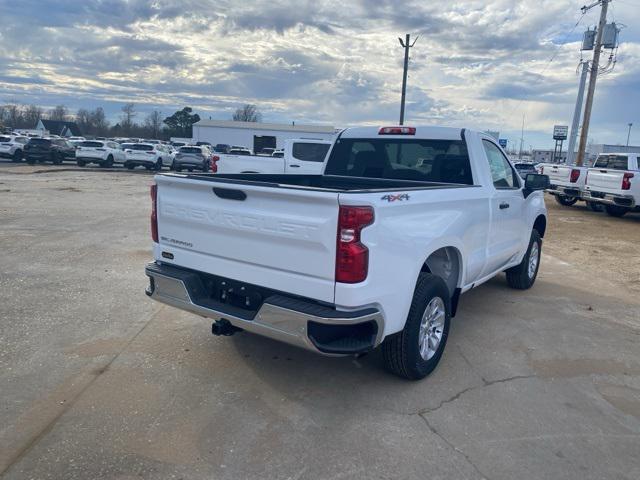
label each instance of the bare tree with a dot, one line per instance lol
(59, 112)
(32, 115)
(128, 112)
(247, 113)
(99, 121)
(13, 115)
(83, 119)
(154, 123)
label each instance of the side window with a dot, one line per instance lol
(501, 171)
(310, 152)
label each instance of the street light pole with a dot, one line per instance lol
(629, 134)
(406, 45)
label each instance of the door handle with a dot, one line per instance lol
(504, 205)
(295, 166)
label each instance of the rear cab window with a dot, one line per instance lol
(442, 161)
(309, 152)
(139, 147)
(615, 162)
(91, 144)
(190, 150)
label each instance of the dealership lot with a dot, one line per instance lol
(97, 381)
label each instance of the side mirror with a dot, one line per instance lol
(535, 182)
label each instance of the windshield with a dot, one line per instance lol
(444, 161)
(5, 139)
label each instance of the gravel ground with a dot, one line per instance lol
(99, 382)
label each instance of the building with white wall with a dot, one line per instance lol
(257, 136)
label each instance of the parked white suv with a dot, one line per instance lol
(614, 181)
(103, 152)
(12, 146)
(146, 155)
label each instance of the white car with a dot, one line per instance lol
(103, 152)
(614, 181)
(147, 155)
(12, 146)
(375, 252)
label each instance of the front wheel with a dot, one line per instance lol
(566, 200)
(30, 160)
(17, 156)
(81, 163)
(129, 166)
(57, 158)
(108, 163)
(158, 165)
(523, 276)
(615, 210)
(415, 352)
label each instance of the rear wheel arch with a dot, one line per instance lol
(446, 263)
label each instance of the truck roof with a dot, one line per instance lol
(422, 132)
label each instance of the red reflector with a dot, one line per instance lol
(575, 175)
(214, 164)
(541, 170)
(352, 257)
(397, 131)
(154, 212)
(626, 181)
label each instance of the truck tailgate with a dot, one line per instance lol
(283, 239)
(558, 174)
(605, 180)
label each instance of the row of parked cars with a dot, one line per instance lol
(130, 153)
(612, 183)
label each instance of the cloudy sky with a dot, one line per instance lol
(480, 64)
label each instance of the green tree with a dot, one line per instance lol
(181, 123)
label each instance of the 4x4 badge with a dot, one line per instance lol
(393, 198)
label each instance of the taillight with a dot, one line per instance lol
(626, 181)
(575, 175)
(541, 170)
(154, 213)
(150, 152)
(397, 131)
(214, 164)
(352, 257)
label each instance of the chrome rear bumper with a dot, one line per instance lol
(610, 199)
(290, 320)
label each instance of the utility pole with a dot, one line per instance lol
(629, 134)
(575, 125)
(592, 78)
(406, 45)
(521, 138)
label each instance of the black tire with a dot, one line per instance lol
(178, 169)
(81, 163)
(57, 158)
(108, 163)
(594, 206)
(129, 166)
(158, 165)
(615, 210)
(565, 200)
(17, 156)
(30, 160)
(401, 351)
(520, 277)
(190, 169)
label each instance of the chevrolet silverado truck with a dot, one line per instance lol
(374, 252)
(301, 156)
(614, 181)
(566, 184)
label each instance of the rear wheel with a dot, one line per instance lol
(523, 276)
(58, 158)
(415, 352)
(129, 166)
(158, 165)
(17, 156)
(594, 206)
(30, 160)
(81, 163)
(615, 210)
(178, 169)
(566, 200)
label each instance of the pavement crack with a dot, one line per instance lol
(95, 373)
(466, 457)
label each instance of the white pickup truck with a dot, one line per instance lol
(374, 252)
(566, 183)
(614, 181)
(301, 156)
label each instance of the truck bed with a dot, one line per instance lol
(329, 183)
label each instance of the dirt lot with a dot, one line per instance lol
(97, 381)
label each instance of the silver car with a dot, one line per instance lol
(192, 158)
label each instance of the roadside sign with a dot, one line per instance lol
(503, 142)
(560, 132)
